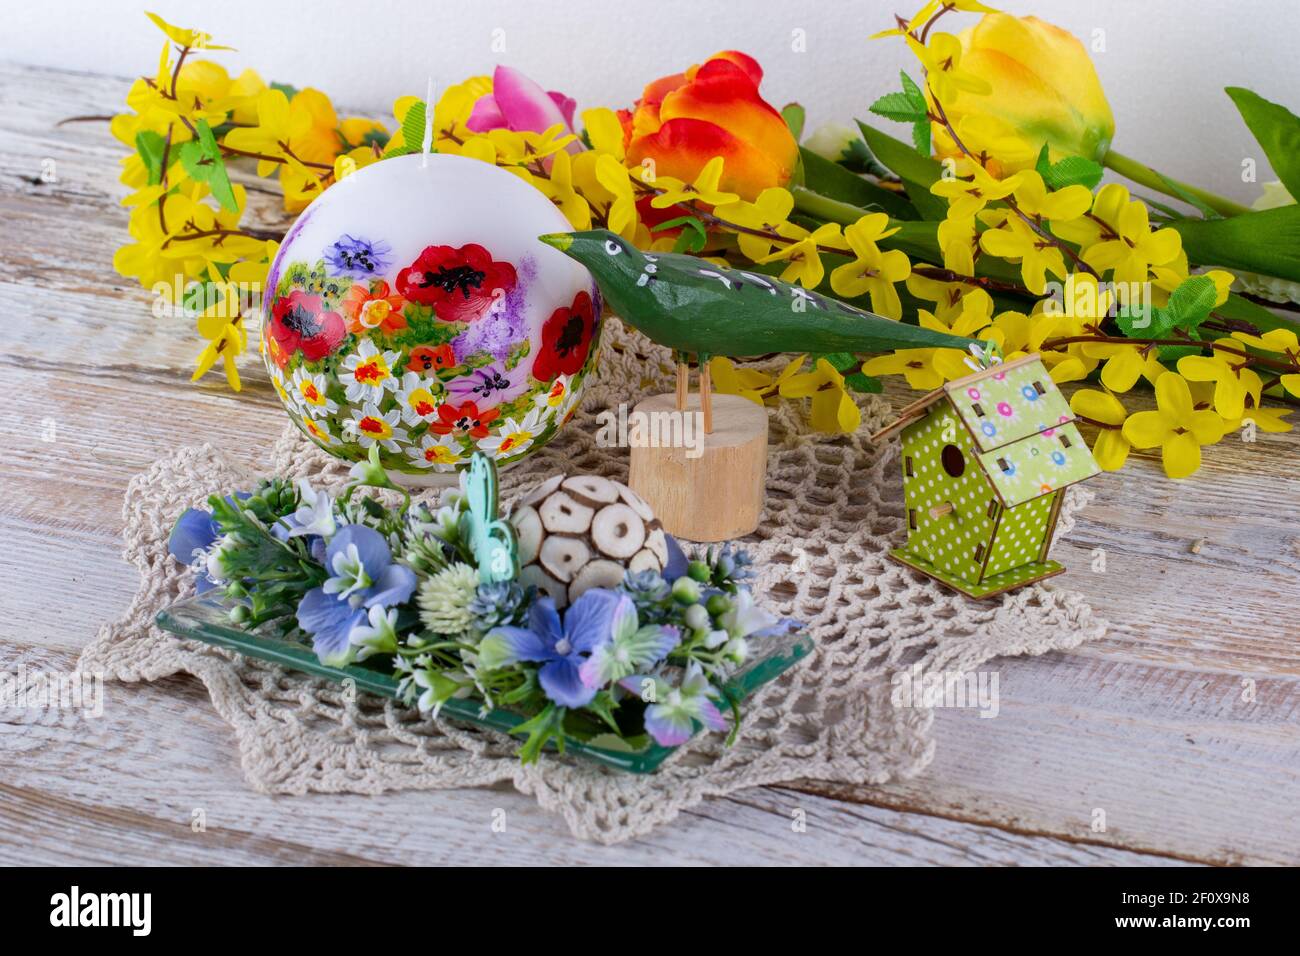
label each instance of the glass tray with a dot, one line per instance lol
(205, 618)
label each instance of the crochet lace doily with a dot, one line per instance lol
(833, 509)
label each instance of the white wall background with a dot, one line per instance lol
(1164, 65)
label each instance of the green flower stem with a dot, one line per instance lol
(1146, 176)
(831, 210)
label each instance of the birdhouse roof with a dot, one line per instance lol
(1008, 402)
(1022, 427)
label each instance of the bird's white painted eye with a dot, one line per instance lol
(612, 248)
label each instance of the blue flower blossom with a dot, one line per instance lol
(673, 712)
(193, 534)
(190, 539)
(628, 648)
(745, 618)
(677, 560)
(358, 258)
(315, 519)
(315, 514)
(560, 649)
(364, 576)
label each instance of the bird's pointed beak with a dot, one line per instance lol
(560, 240)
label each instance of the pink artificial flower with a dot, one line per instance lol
(517, 103)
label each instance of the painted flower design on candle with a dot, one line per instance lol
(431, 358)
(461, 283)
(358, 258)
(318, 431)
(464, 419)
(300, 323)
(555, 396)
(310, 393)
(372, 306)
(513, 436)
(566, 340)
(490, 385)
(416, 400)
(371, 426)
(430, 361)
(367, 373)
(436, 451)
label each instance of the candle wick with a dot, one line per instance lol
(428, 123)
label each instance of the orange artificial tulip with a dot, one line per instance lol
(1044, 88)
(713, 109)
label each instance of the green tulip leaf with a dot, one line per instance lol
(1206, 210)
(1267, 241)
(1242, 311)
(1276, 129)
(794, 117)
(903, 160)
(835, 182)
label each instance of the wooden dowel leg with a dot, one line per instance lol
(706, 396)
(683, 373)
(939, 510)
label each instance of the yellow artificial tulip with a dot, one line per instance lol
(1043, 85)
(1177, 426)
(987, 137)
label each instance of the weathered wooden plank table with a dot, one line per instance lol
(1182, 725)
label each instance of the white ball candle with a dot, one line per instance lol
(412, 306)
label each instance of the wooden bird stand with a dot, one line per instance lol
(711, 489)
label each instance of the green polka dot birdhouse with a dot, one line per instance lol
(985, 460)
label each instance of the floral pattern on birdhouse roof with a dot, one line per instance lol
(1008, 402)
(1038, 464)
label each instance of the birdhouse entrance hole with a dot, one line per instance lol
(953, 461)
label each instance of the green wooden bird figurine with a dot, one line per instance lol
(698, 308)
